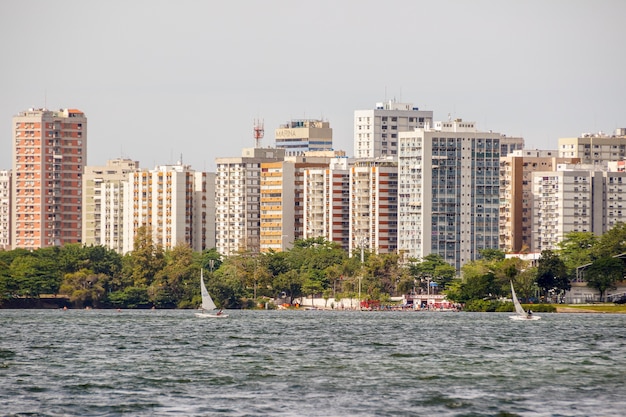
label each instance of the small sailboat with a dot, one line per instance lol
(207, 303)
(521, 314)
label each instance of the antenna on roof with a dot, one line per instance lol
(258, 132)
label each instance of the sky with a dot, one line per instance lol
(159, 80)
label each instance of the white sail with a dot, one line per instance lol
(518, 307)
(207, 301)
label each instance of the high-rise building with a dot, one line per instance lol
(170, 201)
(5, 210)
(448, 197)
(299, 136)
(516, 199)
(237, 199)
(376, 131)
(327, 202)
(374, 205)
(595, 148)
(49, 154)
(575, 198)
(283, 197)
(103, 200)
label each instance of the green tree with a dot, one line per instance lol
(576, 249)
(35, 274)
(612, 243)
(552, 274)
(84, 287)
(604, 273)
(147, 258)
(174, 282)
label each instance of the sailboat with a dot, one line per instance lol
(521, 314)
(207, 303)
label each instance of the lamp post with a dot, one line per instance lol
(362, 243)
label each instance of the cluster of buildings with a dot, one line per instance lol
(414, 186)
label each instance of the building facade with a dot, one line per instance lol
(327, 202)
(49, 155)
(302, 135)
(5, 209)
(516, 196)
(103, 200)
(448, 193)
(170, 201)
(374, 205)
(238, 200)
(595, 148)
(575, 198)
(376, 131)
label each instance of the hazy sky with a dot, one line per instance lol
(158, 79)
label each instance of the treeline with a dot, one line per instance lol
(150, 276)
(487, 279)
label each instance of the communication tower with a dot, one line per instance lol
(258, 132)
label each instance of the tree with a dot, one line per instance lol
(146, 259)
(552, 274)
(576, 249)
(84, 287)
(612, 242)
(433, 266)
(604, 273)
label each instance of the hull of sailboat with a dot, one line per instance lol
(211, 315)
(524, 318)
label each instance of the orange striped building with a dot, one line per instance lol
(49, 155)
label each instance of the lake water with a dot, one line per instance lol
(310, 363)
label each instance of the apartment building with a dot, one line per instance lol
(302, 135)
(103, 200)
(49, 155)
(374, 205)
(376, 130)
(327, 202)
(5, 209)
(595, 148)
(575, 198)
(238, 199)
(516, 196)
(448, 191)
(171, 201)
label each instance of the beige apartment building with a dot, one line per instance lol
(238, 200)
(283, 197)
(516, 197)
(103, 200)
(49, 155)
(595, 148)
(575, 198)
(171, 201)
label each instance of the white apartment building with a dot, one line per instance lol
(171, 201)
(327, 202)
(5, 209)
(238, 199)
(595, 148)
(376, 130)
(575, 198)
(516, 203)
(103, 206)
(373, 205)
(448, 191)
(303, 135)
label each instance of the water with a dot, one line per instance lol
(310, 363)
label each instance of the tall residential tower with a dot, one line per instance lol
(49, 155)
